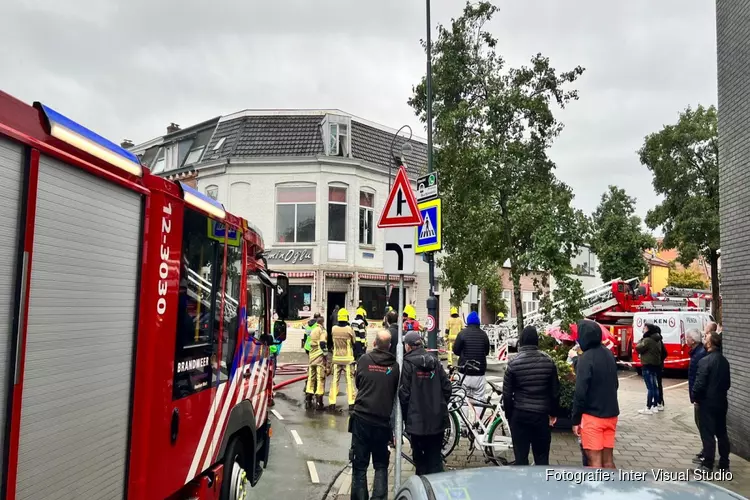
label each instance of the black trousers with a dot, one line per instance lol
(369, 440)
(713, 428)
(530, 430)
(697, 417)
(426, 452)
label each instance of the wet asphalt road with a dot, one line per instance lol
(321, 438)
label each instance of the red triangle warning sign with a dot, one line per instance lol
(401, 209)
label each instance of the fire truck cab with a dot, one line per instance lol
(134, 355)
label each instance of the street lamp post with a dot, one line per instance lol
(398, 160)
(432, 301)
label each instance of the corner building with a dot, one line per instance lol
(314, 182)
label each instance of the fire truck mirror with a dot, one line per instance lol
(282, 297)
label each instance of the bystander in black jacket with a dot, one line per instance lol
(424, 393)
(472, 344)
(377, 383)
(596, 376)
(697, 353)
(531, 383)
(712, 381)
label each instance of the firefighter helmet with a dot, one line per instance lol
(361, 312)
(410, 312)
(343, 315)
(454, 310)
(500, 315)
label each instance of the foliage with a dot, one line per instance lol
(559, 354)
(683, 159)
(493, 126)
(617, 238)
(686, 278)
(565, 303)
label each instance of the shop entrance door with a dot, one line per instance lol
(335, 299)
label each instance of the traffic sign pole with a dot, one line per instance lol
(400, 361)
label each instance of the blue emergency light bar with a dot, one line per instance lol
(77, 135)
(201, 201)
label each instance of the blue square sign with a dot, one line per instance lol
(429, 234)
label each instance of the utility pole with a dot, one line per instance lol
(432, 300)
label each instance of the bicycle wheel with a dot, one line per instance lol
(498, 435)
(451, 436)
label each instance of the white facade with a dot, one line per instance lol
(250, 188)
(586, 266)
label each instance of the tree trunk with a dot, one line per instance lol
(516, 278)
(715, 293)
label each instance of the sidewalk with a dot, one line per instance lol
(342, 487)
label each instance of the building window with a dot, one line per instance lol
(194, 155)
(366, 204)
(336, 213)
(373, 301)
(160, 163)
(295, 214)
(256, 306)
(530, 301)
(339, 142)
(508, 299)
(212, 192)
(220, 144)
(300, 301)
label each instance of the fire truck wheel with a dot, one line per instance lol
(236, 482)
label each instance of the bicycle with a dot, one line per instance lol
(489, 431)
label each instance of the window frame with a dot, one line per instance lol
(252, 279)
(219, 143)
(345, 204)
(212, 187)
(534, 301)
(200, 150)
(370, 228)
(308, 185)
(160, 156)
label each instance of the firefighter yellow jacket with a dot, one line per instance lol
(454, 325)
(343, 345)
(317, 346)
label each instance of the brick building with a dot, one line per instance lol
(314, 182)
(733, 47)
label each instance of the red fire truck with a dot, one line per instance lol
(129, 369)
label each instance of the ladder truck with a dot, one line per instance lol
(128, 368)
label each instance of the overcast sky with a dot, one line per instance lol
(126, 68)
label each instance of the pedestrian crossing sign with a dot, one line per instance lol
(430, 234)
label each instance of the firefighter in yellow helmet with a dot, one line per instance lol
(454, 325)
(410, 319)
(343, 359)
(500, 318)
(316, 377)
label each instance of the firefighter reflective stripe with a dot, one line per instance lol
(316, 380)
(80, 337)
(11, 168)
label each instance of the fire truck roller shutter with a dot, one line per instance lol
(11, 168)
(80, 337)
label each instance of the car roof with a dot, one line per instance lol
(497, 483)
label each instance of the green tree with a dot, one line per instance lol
(493, 126)
(686, 278)
(683, 159)
(617, 238)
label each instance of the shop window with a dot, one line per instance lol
(300, 301)
(530, 301)
(337, 213)
(373, 300)
(256, 306)
(198, 330)
(366, 206)
(295, 214)
(231, 305)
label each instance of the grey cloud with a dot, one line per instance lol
(127, 68)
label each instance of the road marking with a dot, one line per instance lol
(629, 376)
(676, 385)
(277, 414)
(296, 437)
(313, 471)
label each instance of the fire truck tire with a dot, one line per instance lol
(236, 481)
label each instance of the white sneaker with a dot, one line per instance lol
(646, 411)
(659, 407)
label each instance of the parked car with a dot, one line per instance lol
(497, 483)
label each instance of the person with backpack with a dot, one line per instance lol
(424, 392)
(650, 350)
(410, 323)
(360, 335)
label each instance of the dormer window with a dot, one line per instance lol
(336, 135)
